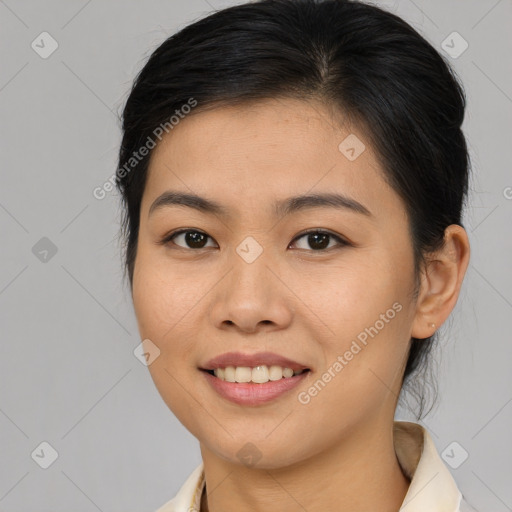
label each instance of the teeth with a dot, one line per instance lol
(258, 374)
(229, 374)
(243, 374)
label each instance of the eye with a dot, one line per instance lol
(195, 239)
(319, 240)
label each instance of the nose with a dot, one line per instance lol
(252, 297)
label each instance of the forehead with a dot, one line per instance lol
(270, 148)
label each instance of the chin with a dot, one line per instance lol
(255, 452)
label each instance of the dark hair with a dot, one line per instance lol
(368, 63)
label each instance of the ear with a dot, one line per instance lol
(441, 280)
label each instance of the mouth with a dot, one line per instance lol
(253, 379)
(254, 386)
(258, 368)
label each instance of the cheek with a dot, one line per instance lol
(365, 311)
(163, 301)
(353, 296)
(168, 302)
(162, 296)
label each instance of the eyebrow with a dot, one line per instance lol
(281, 208)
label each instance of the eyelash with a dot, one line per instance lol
(341, 242)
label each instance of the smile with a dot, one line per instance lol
(251, 393)
(257, 375)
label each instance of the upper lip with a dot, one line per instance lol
(252, 360)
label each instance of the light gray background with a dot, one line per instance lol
(68, 375)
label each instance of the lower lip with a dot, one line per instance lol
(250, 393)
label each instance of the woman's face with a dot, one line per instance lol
(246, 278)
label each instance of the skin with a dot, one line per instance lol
(306, 304)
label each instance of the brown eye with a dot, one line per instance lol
(319, 240)
(192, 239)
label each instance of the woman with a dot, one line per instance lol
(293, 176)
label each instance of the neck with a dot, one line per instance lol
(361, 473)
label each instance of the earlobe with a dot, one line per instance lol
(441, 281)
